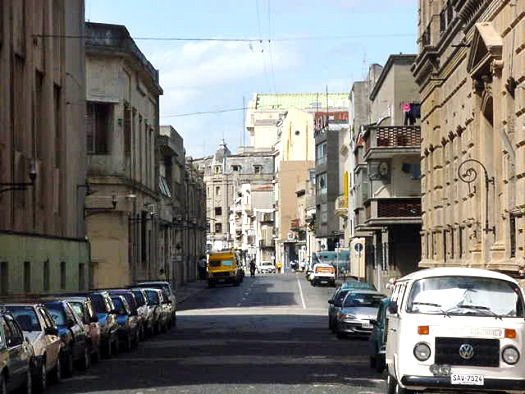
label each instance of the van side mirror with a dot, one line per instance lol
(392, 308)
(373, 322)
(331, 302)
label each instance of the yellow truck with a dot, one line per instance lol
(223, 267)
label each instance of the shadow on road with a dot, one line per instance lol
(234, 350)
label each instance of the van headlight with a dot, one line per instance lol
(422, 351)
(348, 317)
(510, 355)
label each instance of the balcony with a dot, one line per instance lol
(266, 243)
(384, 211)
(383, 142)
(295, 224)
(341, 206)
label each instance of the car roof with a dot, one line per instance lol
(32, 304)
(456, 271)
(76, 299)
(364, 291)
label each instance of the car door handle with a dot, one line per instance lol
(393, 329)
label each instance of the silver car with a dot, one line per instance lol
(359, 307)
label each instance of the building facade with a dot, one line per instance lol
(230, 180)
(122, 211)
(471, 73)
(43, 248)
(386, 174)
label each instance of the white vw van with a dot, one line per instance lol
(456, 328)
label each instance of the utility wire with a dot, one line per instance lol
(270, 46)
(222, 39)
(219, 111)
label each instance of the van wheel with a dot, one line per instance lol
(56, 374)
(211, 284)
(380, 364)
(41, 378)
(67, 364)
(373, 362)
(3, 384)
(391, 385)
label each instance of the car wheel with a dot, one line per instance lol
(86, 360)
(27, 387)
(380, 364)
(108, 351)
(391, 385)
(3, 384)
(373, 362)
(41, 378)
(56, 375)
(67, 364)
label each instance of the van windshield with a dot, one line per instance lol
(224, 263)
(465, 295)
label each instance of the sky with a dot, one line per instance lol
(306, 46)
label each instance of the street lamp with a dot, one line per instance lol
(469, 176)
(5, 187)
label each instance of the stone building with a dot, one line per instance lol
(224, 175)
(471, 73)
(42, 148)
(122, 211)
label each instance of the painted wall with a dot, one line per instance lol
(44, 255)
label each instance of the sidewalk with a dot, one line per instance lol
(189, 289)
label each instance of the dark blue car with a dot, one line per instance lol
(128, 327)
(74, 336)
(378, 338)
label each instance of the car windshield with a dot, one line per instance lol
(266, 263)
(77, 307)
(366, 300)
(26, 317)
(98, 303)
(58, 314)
(356, 285)
(153, 297)
(465, 295)
(119, 305)
(340, 297)
(139, 298)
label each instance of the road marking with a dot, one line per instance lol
(301, 292)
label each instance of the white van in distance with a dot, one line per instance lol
(456, 328)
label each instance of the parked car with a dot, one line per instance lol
(378, 337)
(84, 309)
(323, 274)
(134, 308)
(128, 327)
(356, 285)
(358, 309)
(160, 312)
(165, 286)
(74, 336)
(334, 306)
(456, 329)
(144, 310)
(16, 356)
(40, 329)
(104, 309)
(266, 267)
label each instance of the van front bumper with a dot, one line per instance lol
(444, 382)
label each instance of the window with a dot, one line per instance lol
(81, 276)
(57, 97)
(321, 184)
(46, 275)
(98, 125)
(218, 227)
(321, 153)
(63, 275)
(512, 223)
(217, 191)
(127, 129)
(257, 169)
(236, 168)
(4, 278)
(27, 276)
(218, 211)
(217, 170)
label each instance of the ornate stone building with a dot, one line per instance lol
(471, 72)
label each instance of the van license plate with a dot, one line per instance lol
(367, 325)
(471, 380)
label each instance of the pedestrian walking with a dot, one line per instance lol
(202, 268)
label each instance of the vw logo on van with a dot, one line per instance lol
(466, 351)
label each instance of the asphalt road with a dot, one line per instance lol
(269, 335)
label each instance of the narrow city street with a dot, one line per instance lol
(269, 335)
